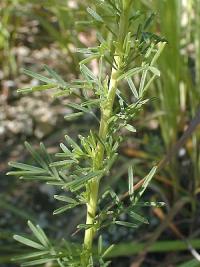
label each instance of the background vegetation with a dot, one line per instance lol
(33, 33)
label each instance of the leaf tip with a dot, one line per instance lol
(15, 237)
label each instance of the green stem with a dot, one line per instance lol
(93, 186)
(106, 113)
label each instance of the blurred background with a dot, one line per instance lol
(33, 33)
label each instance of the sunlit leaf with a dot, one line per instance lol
(38, 262)
(55, 76)
(94, 14)
(130, 180)
(131, 73)
(73, 116)
(107, 251)
(39, 234)
(150, 204)
(26, 167)
(138, 217)
(154, 71)
(132, 87)
(30, 255)
(130, 128)
(64, 208)
(126, 224)
(28, 242)
(88, 73)
(65, 199)
(145, 184)
(37, 76)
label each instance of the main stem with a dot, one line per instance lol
(93, 186)
(106, 113)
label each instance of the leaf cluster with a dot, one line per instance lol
(78, 163)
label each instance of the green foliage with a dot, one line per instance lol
(191, 263)
(46, 251)
(178, 88)
(125, 55)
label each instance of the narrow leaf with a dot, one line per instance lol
(88, 73)
(130, 128)
(38, 178)
(37, 262)
(138, 217)
(39, 234)
(100, 245)
(130, 180)
(80, 182)
(78, 107)
(148, 21)
(65, 149)
(28, 242)
(146, 183)
(158, 53)
(64, 208)
(126, 224)
(73, 116)
(24, 173)
(37, 88)
(142, 82)
(30, 255)
(131, 72)
(150, 204)
(26, 167)
(72, 143)
(37, 76)
(55, 76)
(36, 156)
(94, 14)
(62, 163)
(132, 87)
(155, 71)
(107, 251)
(65, 199)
